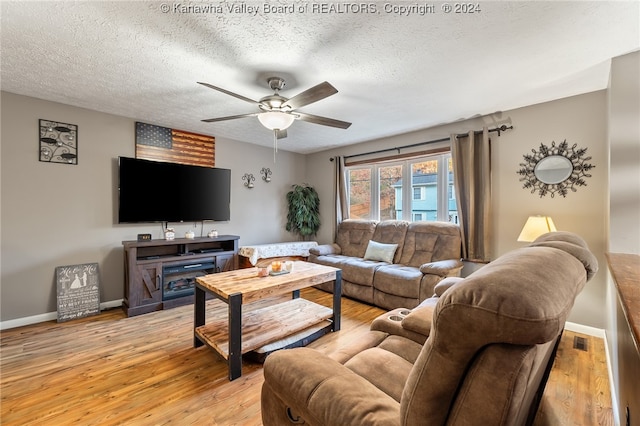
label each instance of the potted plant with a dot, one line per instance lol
(303, 217)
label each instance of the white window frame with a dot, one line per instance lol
(407, 191)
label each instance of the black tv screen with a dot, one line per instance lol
(152, 191)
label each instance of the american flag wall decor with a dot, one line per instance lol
(174, 146)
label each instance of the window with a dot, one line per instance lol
(359, 193)
(413, 189)
(419, 192)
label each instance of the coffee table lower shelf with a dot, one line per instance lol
(265, 325)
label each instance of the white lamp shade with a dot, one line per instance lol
(275, 120)
(536, 226)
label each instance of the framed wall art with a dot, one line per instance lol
(58, 142)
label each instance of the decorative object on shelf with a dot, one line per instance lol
(58, 142)
(213, 234)
(248, 179)
(555, 169)
(266, 174)
(189, 235)
(536, 226)
(78, 290)
(169, 234)
(303, 216)
(276, 265)
(175, 146)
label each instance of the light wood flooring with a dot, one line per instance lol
(109, 369)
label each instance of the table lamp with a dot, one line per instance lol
(536, 226)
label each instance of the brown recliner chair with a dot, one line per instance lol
(477, 355)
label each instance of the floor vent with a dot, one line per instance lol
(580, 343)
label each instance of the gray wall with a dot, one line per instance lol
(580, 120)
(624, 224)
(624, 140)
(55, 214)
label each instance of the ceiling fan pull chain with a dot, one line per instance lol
(275, 144)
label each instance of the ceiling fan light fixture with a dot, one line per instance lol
(276, 120)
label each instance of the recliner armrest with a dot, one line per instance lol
(443, 268)
(323, 391)
(325, 249)
(420, 319)
(445, 284)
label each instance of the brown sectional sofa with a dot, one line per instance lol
(425, 253)
(477, 353)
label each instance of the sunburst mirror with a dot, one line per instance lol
(555, 169)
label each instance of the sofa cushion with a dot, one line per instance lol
(399, 280)
(385, 370)
(429, 242)
(334, 260)
(359, 271)
(380, 251)
(354, 235)
(392, 232)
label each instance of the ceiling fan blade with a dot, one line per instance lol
(281, 134)
(316, 119)
(230, 117)
(235, 95)
(309, 96)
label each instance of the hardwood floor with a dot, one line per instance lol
(109, 369)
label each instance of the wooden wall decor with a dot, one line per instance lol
(174, 146)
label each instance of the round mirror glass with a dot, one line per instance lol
(553, 169)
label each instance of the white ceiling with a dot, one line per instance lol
(394, 73)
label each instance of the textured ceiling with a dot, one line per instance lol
(396, 70)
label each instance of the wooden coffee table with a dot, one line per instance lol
(238, 334)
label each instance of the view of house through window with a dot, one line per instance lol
(411, 189)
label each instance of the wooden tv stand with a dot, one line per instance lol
(160, 274)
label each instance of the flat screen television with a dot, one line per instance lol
(153, 191)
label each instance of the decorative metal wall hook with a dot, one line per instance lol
(555, 169)
(248, 179)
(266, 174)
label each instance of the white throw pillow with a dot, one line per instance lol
(379, 251)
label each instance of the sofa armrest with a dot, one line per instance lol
(443, 268)
(392, 323)
(445, 284)
(323, 391)
(325, 249)
(420, 318)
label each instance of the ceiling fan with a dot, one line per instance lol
(277, 113)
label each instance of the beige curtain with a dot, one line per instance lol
(340, 180)
(471, 157)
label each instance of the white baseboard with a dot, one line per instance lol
(49, 316)
(584, 329)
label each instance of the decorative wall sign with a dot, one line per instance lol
(555, 169)
(174, 146)
(58, 142)
(78, 290)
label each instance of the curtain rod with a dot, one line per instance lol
(502, 128)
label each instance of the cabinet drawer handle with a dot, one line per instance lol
(193, 266)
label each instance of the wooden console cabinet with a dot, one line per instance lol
(160, 274)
